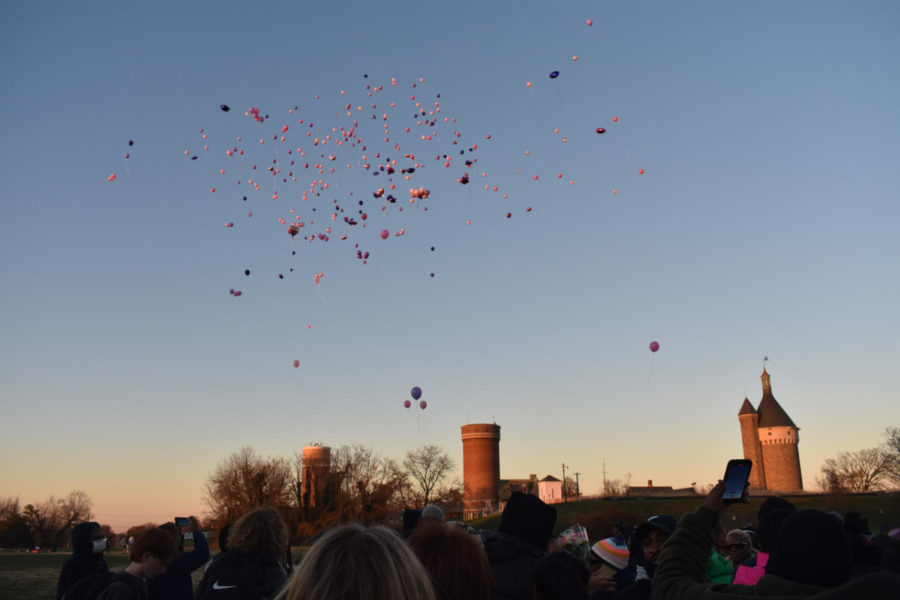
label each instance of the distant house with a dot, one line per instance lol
(550, 489)
(658, 490)
(526, 486)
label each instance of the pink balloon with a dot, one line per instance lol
(296, 363)
(407, 403)
(384, 234)
(654, 346)
(423, 404)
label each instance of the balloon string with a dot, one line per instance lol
(649, 375)
(562, 106)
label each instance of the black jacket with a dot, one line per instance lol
(83, 561)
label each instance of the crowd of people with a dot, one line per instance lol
(787, 553)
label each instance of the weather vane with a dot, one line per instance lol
(765, 360)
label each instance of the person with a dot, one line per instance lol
(772, 513)
(561, 576)
(455, 560)
(176, 583)
(88, 545)
(645, 547)
(738, 547)
(352, 562)
(607, 559)
(718, 568)
(150, 556)
(250, 564)
(431, 514)
(811, 557)
(518, 545)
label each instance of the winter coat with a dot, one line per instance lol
(83, 561)
(512, 562)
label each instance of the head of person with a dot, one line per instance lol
(738, 546)
(768, 527)
(455, 560)
(560, 576)
(223, 537)
(651, 536)
(608, 556)
(432, 514)
(353, 562)
(811, 547)
(172, 530)
(153, 551)
(88, 539)
(529, 518)
(774, 503)
(260, 530)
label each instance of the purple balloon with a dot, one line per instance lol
(416, 393)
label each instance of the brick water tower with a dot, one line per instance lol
(481, 466)
(316, 463)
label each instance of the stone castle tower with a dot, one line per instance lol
(481, 466)
(770, 440)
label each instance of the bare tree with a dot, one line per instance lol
(427, 468)
(860, 471)
(613, 488)
(367, 483)
(892, 449)
(51, 522)
(244, 481)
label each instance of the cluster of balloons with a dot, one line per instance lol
(416, 394)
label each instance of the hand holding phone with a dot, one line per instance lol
(737, 474)
(182, 521)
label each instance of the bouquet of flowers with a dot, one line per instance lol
(574, 540)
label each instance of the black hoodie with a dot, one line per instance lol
(83, 561)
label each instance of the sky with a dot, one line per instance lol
(742, 203)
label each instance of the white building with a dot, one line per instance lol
(550, 489)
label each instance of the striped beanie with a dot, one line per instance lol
(612, 551)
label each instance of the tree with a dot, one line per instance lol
(51, 522)
(427, 468)
(570, 488)
(892, 449)
(244, 481)
(860, 471)
(14, 531)
(367, 484)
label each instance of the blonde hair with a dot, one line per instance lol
(352, 562)
(259, 529)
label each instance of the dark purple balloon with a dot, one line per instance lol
(416, 393)
(554, 74)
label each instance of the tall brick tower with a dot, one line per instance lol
(316, 464)
(481, 466)
(749, 419)
(775, 455)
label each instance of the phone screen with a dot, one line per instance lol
(736, 476)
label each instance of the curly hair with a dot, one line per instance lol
(352, 562)
(259, 529)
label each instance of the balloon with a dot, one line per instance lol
(654, 346)
(407, 403)
(554, 74)
(601, 130)
(112, 177)
(590, 22)
(224, 107)
(384, 234)
(296, 363)
(423, 404)
(131, 142)
(416, 393)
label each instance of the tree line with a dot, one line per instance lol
(46, 524)
(358, 484)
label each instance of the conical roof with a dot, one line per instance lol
(770, 412)
(747, 408)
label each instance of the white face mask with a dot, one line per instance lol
(99, 546)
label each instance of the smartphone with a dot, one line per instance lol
(737, 474)
(182, 521)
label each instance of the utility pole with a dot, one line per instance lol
(577, 487)
(565, 498)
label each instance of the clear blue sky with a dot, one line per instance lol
(766, 222)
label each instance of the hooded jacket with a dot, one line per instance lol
(83, 561)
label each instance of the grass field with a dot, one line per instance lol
(33, 576)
